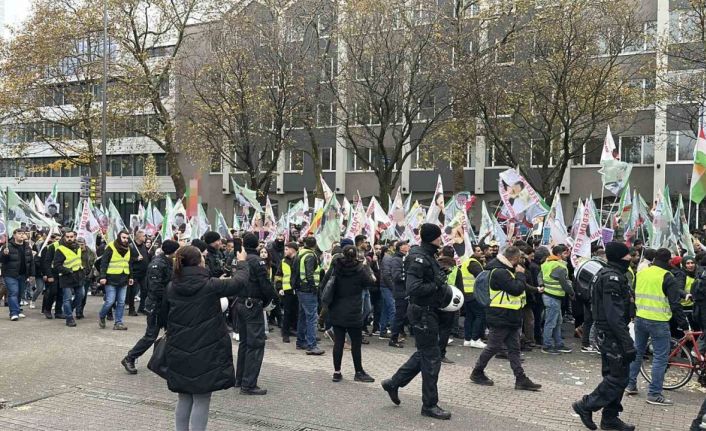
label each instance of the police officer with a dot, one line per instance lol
(69, 268)
(427, 289)
(610, 300)
(159, 274)
(215, 259)
(283, 281)
(249, 310)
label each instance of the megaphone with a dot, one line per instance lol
(453, 298)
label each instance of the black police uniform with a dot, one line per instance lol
(251, 321)
(610, 299)
(159, 274)
(426, 287)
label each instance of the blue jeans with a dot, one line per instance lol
(661, 341)
(474, 323)
(14, 287)
(387, 316)
(552, 322)
(308, 316)
(367, 308)
(113, 294)
(72, 304)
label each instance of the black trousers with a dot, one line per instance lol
(498, 339)
(251, 349)
(147, 340)
(376, 303)
(427, 358)
(538, 310)
(142, 289)
(446, 325)
(695, 425)
(608, 395)
(400, 316)
(587, 324)
(52, 295)
(356, 334)
(290, 306)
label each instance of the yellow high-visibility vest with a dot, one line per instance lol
(650, 301)
(118, 264)
(551, 285)
(502, 299)
(73, 260)
(469, 280)
(451, 279)
(689, 282)
(286, 276)
(303, 253)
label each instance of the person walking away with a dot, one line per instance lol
(198, 348)
(387, 284)
(555, 278)
(68, 265)
(140, 255)
(88, 259)
(453, 277)
(159, 274)
(309, 276)
(115, 275)
(17, 269)
(249, 308)
(288, 297)
(396, 269)
(345, 311)
(506, 285)
(657, 299)
(427, 289)
(610, 303)
(474, 322)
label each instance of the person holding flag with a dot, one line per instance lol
(115, 276)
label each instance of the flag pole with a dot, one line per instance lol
(600, 213)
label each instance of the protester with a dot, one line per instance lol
(17, 268)
(396, 273)
(555, 279)
(307, 287)
(140, 256)
(288, 298)
(69, 268)
(115, 276)
(474, 323)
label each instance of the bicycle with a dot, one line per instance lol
(682, 362)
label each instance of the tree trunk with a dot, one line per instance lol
(175, 174)
(385, 185)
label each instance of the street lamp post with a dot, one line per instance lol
(104, 100)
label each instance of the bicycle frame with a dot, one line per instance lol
(699, 357)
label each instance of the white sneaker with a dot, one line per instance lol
(14, 318)
(468, 343)
(31, 305)
(478, 344)
(236, 336)
(22, 316)
(451, 340)
(23, 302)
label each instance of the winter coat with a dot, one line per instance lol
(395, 266)
(346, 309)
(501, 279)
(68, 279)
(199, 351)
(11, 262)
(138, 267)
(115, 279)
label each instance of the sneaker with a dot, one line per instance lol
(236, 336)
(615, 424)
(101, 322)
(659, 400)
(253, 391)
(550, 350)
(129, 365)
(23, 303)
(48, 315)
(445, 360)
(14, 318)
(110, 317)
(451, 340)
(32, 306)
(364, 341)
(329, 334)
(585, 415)
(467, 343)
(479, 378)
(396, 344)
(22, 316)
(631, 390)
(337, 377)
(588, 349)
(525, 384)
(285, 339)
(564, 349)
(385, 336)
(478, 344)
(71, 323)
(80, 316)
(363, 377)
(376, 333)
(119, 327)
(315, 352)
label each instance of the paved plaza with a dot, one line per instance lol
(58, 378)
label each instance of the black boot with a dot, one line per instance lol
(391, 390)
(525, 384)
(615, 424)
(252, 391)
(479, 378)
(129, 365)
(585, 415)
(436, 412)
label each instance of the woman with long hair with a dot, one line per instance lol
(198, 350)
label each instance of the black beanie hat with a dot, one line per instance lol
(250, 241)
(663, 255)
(170, 246)
(210, 237)
(429, 232)
(616, 251)
(200, 244)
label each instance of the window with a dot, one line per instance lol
(364, 67)
(265, 160)
(639, 150)
(327, 157)
(423, 158)
(427, 108)
(689, 85)
(357, 163)
(540, 153)
(294, 160)
(494, 156)
(684, 25)
(645, 90)
(328, 69)
(504, 53)
(326, 114)
(680, 146)
(470, 155)
(323, 26)
(466, 8)
(295, 30)
(421, 15)
(592, 152)
(644, 41)
(216, 165)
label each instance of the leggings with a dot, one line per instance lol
(192, 409)
(356, 335)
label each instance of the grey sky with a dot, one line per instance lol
(15, 12)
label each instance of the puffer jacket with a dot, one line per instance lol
(11, 262)
(502, 279)
(346, 308)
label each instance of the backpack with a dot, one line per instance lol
(481, 291)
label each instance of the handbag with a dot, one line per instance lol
(158, 361)
(327, 293)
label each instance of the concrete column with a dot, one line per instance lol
(479, 188)
(341, 150)
(661, 134)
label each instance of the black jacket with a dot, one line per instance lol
(501, 279)
(199, 351)
(346, 308)
(67, 277)
(114, 279)
(12, 262)
(259, 284)
(46, 260)
(610, 305)
(386, 281)
(307, 284)
(673, 289)
(279, 274)
(215, 262)
(138, 267)
(425, 281)
(159, 274)
(395, 268)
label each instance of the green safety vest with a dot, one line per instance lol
(469, 280)
(502, 299)
(451, 279)
(118, 264)
(73, 260)
(286, 276)
(689, 283)
(551, 285)
(650, 300)
(302, 270)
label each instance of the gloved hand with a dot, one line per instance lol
(441, 280)
(629, 355)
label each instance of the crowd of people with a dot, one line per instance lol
(208, 291)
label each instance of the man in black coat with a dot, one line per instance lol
(260, 293)
(215, 259)
(140, 255)
(159, 274)
(283, 281)
(427, 289)
(51, 286)
(396, 271)
(69, 268)
(17, 267)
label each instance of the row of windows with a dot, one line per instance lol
(127, 165)
(293, 160)
(77, 93)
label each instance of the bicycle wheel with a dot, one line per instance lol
(679, 370)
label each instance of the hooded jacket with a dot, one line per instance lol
(346, 308)
(199, 351)
(502, 279)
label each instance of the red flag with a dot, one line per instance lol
(192, 198)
